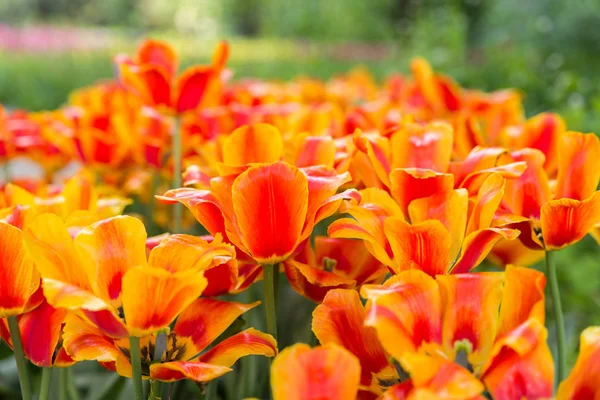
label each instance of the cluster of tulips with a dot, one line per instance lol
(377, 202)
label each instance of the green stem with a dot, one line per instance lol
(45, 385)
(71, 388)
(155, 390)
(558, 316)
(269, 284)
(15, 336)
(136, 366)
(64, 384)
(211, 390)
(177, 211)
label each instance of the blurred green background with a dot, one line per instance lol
(548, 49)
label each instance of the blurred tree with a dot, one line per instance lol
(246, 17)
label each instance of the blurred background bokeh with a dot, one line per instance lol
(548, 49)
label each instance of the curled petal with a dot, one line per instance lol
(408, 184)
(82, 341)
(245, 343)
(406, 312)
(474, 180)
(567, 221)
(527, 194)
(377, 149)
(18, 276)
(487, 202)
(150, 83)
(339, 320)
(582, 383)
(204, 320)
(153, 297)
(185, 252)
(314, 283)
(477, 246)
(259, 143)
(520, 365)
(177, 370)
(202, 203)
(301, 373)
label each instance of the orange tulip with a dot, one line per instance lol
(268, 210)
(412, 312)
(567, 213)
(151, 75)
(582, 383)
(447, 231)
(183, 353)
(326, 373)
(102, 274)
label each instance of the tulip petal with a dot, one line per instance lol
(195, 87)
(425, 147)
(185, 252)
(153, 297)
(18, 277)
(406, 312)
(158, 53)
(450, 208)
(478, 245)
(259, 143)
(202, 203)
(112, 246)
(424, 246)
(582, 383)
(40, 332)
(83, 341)
(408, 184)
(271, 205)
(567, 221)
(54, 253)
(245, 343)
(195, 371)
(578, 167)
(487, 202)
(315, 150)
(435, 377)
(314, 283)
(522, 298)
(377, 149)
(204, 320)
(520, 365)
(471, 303)
(302, 373)
(339, 320)
(148, 82)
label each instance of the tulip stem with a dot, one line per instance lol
(15, 337)
(177, 211)
(558, 316)
(45, 385)
(64, 383)
(155, 390)
(269, 283)
(136, 366)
